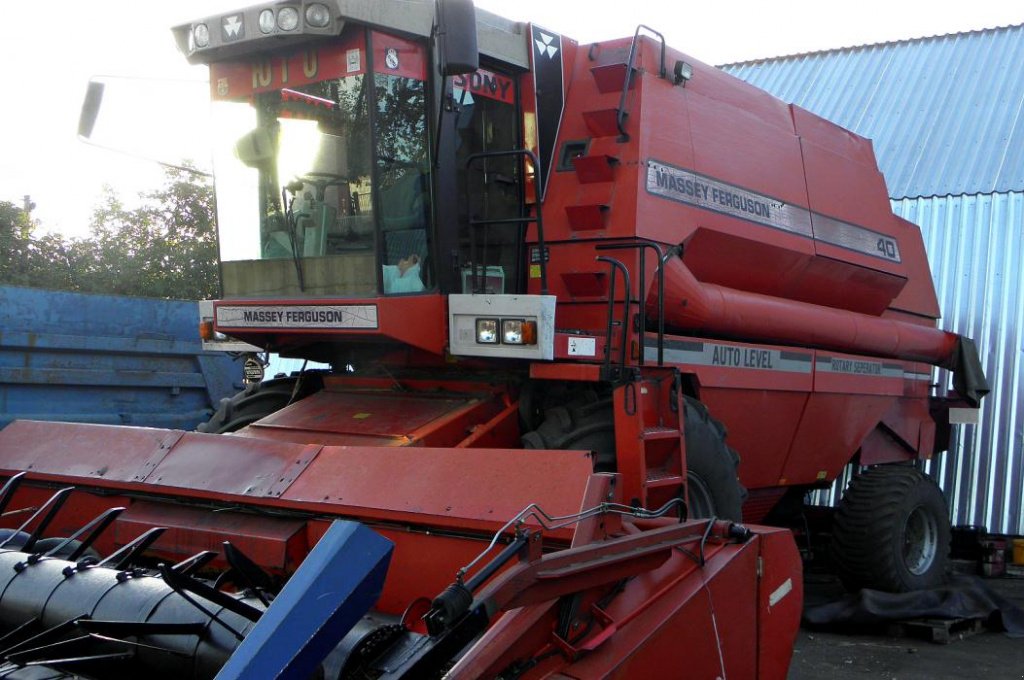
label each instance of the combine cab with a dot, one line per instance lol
(548, 279)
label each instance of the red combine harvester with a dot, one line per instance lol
(536, 269)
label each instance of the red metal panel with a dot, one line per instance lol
(722, 144)
(501, 431)
(611, 77)
(482, 488)
(272, 542)
(831, 431)
(572, 372)
(859, 375)
(843, 182)
(365, 413)
(577, 347)
(677, 609)
(464, 489)
(422, 565)
(918, 296)
(780, 602)
(420, 321)
(365, 417)
(761, 427)
(595, 168)
(586, 217)
(909, 425)
(80, 450)
(225, 464)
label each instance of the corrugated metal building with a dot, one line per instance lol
(946, 115)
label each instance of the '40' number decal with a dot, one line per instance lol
(887, 248)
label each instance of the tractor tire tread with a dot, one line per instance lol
(868, 524)
(257, 401)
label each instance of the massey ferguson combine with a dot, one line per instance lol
(548, 278)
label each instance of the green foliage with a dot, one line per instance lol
(164, 248)
(24, 260)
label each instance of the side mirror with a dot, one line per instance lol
(162, 121)
(256, 147)
(457, 30)
(90, 109)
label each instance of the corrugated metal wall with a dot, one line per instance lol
(975, 247)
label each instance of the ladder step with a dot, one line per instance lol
(586, 217)
(585, 284)
(658, 479)
(659, 433)
(596, 168)
(611, 77)
(602, 122)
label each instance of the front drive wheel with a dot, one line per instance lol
(259, 401)
(891, 531)
(587, 422)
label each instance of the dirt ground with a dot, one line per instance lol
(874, 654)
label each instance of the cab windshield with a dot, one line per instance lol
(322, 167)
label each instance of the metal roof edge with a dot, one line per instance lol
(962, 194)
(866, 46)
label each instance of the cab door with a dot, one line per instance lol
(490, 237)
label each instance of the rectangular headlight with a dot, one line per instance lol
(487, 331)
(518, 332)
(512, 331)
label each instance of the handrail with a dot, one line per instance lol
(660, 273)
(539, 219)
(616, 265)
(620, 114)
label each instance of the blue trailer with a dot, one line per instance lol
(107, 359)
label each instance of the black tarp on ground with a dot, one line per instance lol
(964, 597)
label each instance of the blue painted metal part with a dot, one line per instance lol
(107, 359)
(336, 585)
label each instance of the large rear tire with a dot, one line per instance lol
(711, 467)
(891, 531)
(585, 421)
(258, 401)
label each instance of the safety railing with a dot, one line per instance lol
(642, 247)
(620, 114)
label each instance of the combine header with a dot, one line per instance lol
(548, 278)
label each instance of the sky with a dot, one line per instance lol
(51, 50)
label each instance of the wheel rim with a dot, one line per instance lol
(920, 541)
(702, 505)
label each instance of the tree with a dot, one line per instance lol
(24, 259)
(166, 247)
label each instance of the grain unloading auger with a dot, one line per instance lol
(501, 564)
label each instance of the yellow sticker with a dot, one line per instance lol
(534, 271)
(822, 474)
(362, 416)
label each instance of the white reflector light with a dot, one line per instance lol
(288, 19)
(267, 21)
(201, 34)
(318, 15)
